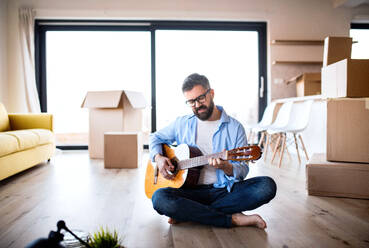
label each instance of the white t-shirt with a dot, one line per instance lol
(204, 140)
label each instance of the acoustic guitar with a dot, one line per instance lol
(188, 162)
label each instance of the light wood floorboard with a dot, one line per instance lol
(294, 218)
(80, 191)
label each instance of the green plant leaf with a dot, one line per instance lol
(105, 239)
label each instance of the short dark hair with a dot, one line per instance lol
(193, 80)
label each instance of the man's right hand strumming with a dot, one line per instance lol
(165, 166)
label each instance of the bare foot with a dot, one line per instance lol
(172, 221)
(240, 219)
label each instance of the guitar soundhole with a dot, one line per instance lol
(192, 177)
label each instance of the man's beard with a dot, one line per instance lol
(206, 114)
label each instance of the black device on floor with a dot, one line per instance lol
(55, 238)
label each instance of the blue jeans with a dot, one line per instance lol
(212, 206)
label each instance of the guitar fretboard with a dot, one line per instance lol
(199, 161)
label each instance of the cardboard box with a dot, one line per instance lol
(346, 78)
(119, 111)
(337, 178)
(336, 49)
(348, 129)
(122, 149)
(308, 84)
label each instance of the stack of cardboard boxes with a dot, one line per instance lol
(115, 126)
(344, 169)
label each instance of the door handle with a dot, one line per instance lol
(261, 93)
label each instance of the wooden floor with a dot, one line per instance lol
(80, 191)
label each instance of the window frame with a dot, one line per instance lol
(44, 25)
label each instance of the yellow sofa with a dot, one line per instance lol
(25, 141)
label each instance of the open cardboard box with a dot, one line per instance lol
(307, 84)
(112, 111)
(336, 49)
(346, 78)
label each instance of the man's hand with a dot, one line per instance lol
(164, 166)
(224, 165)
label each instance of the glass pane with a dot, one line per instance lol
(360, 50)
(229, 59)
(81, 61)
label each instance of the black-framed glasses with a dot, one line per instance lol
(199, 99)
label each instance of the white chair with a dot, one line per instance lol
(281, 121)
(298, 121)
(263, 124)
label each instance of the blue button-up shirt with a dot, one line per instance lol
(229, 134)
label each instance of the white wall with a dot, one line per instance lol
(287, 19)
(3, 53)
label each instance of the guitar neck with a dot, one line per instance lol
(199, 161)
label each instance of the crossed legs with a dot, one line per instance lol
(214, 206)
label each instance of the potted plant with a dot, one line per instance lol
(105, 239)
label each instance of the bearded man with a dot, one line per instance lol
(222, 192)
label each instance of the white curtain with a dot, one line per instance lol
(26, 31)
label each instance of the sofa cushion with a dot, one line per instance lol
(4, 119)
(8, 144)
(26, 139)
(45, 136)
(30, 138)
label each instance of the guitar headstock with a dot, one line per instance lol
(245, 153)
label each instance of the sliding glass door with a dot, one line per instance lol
(81, 61)
(229, 59)
(154, 57)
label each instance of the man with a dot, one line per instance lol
(222, 194)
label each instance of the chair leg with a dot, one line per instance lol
(297, 148)
(266, 146)
(288, 152)
(303, 147)
(282, 149)
(276, 147)
(261, 139)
